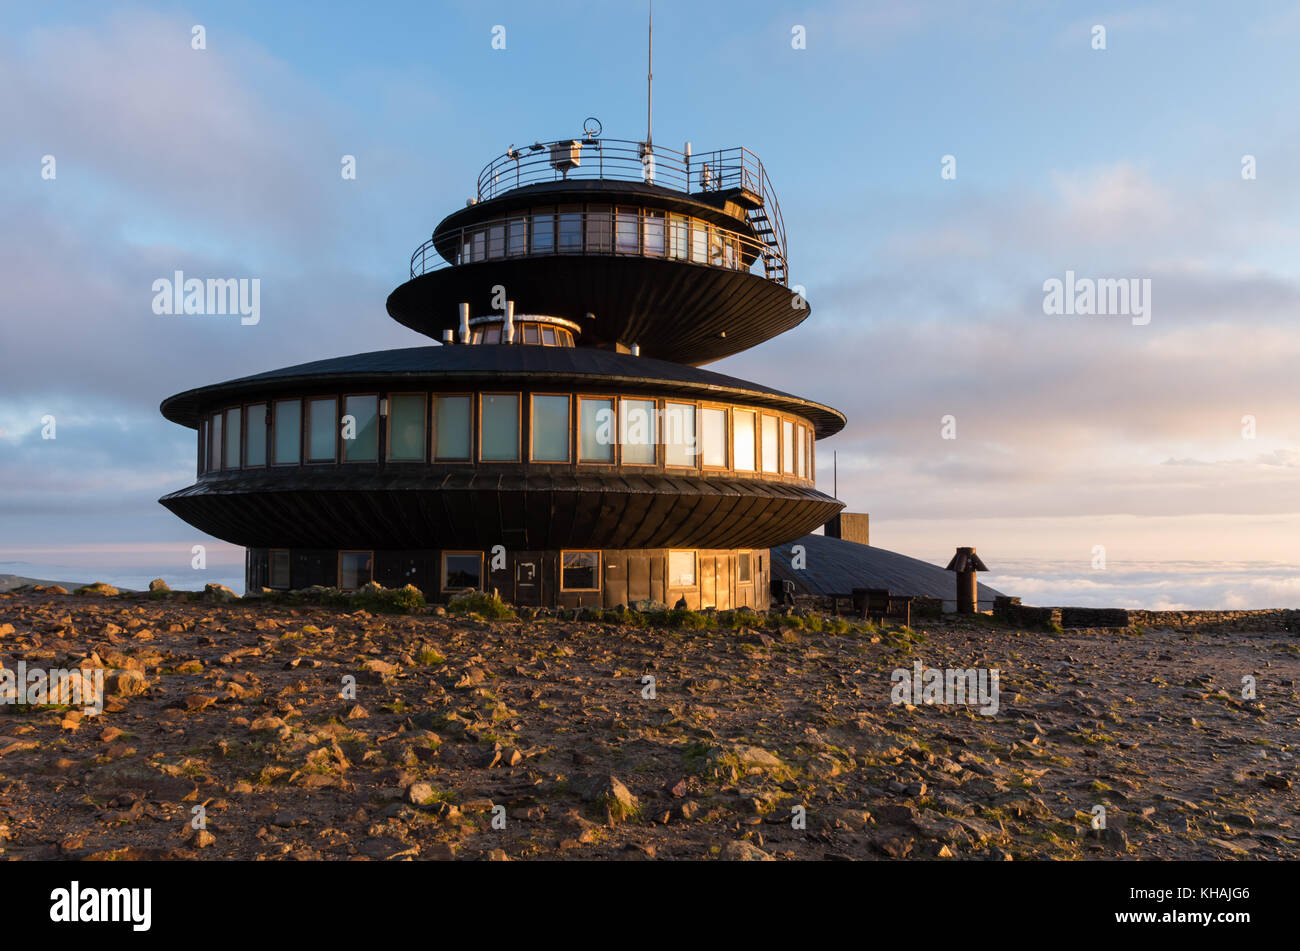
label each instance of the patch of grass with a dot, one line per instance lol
(482, 604)
(428, 657)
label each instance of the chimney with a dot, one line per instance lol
(966, 563)
(508, 329)
(851, 527)
(464, 322)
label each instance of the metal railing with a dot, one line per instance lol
(625, 160)
(647, 234)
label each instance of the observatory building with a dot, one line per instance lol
(561, 443)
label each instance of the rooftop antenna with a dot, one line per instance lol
(649, 74)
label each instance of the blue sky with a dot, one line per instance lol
(926, 293)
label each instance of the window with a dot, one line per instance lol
(678, 236)
(787, 447)
(699, 241)
(532, 334)
(364, 444)
(713, 437)
(625, 231)
(548, 336)
(799, 464)
(492, 334)
(744, 568)
(570, 229)
(279, 569)
(679, 434)
(731, 251)
(653, 224)
(461, 569)
(715, 247)
(233, 417)
(599, 230)
(255, 435)
(321, 423)
(743, 445)
(499, 427)
(288, 432)
(637, 434)
(496, 242)
(811, 470)
(595, 430)
(215, 442)
(203, 445)
(681, 569)
(478, 245)
(355, 569)
(406, 427)
(771, 444)
(517, 236)
(543, 231)
(580, 571)
(451, 427)
(550, 428)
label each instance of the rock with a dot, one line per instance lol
(1276, 781)
(125, 683)
(6, 630)
(99, 589)
(607, 792)
(218, 594)
(158, 586)
(894, 846)
(417, 794)
(357, 712)
(202, 838)
(741, 851)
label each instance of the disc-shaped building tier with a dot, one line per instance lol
(542, 450)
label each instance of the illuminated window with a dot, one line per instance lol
(678, 236)
(287, 423)
(451, 427)
(799, 462)
(744, 568)
(625, 231)
(679, 434)
(461, 570)
(699, 241)
(638, 432)
(321, 430)
(406, 427)
(364, 444)
(681, 569)
(713, 437)
(787, 447)
(550, 428)
(743, 450)
(596, 432)
(653, 225)
(255, 435)
(499, 427)
(580, 571)
(771, 444)
(355, 569)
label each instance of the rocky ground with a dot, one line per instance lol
(778, 743)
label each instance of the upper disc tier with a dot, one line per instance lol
(683, 256)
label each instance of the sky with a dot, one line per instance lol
(936, 164)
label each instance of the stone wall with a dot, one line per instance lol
(1013, 612)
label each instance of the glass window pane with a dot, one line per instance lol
(517, 239)
(639, 434)
(543, 231)
(406, 427)
(699, 241)
(320, 430)
(625, 231)
(713, 436)
(233, 430)
(279, 577)
(743, 568)
(500, 424)
(771, 444)
(216, 444)
(493, 334)
(531, 334)
(548, 336)
(461, 570)
(354, 569)
(255, 435)
(203, 445)
(496, 240)
(787, 447)
(744, 440)
(679, 434)
(599, 229)
(551, 428)
(581, 571)
(678, 237)
(451, 427)
(288, 431)
(596, 430)
(570, 231)
(364, 446)
(478, 245)
(681, 569)
(654, 233)
(798, 448)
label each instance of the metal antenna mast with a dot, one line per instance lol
(649, 74)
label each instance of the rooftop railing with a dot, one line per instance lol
(624, 160)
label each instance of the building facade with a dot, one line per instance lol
(562, 445)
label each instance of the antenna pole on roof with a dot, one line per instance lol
(835, 461)
(649, 73)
